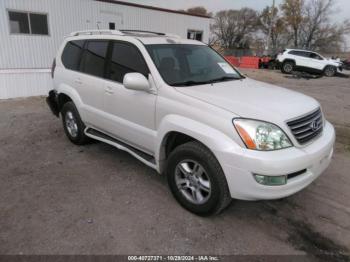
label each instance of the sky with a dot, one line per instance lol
(341, 8)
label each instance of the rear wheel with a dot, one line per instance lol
(287, 67)
(196, 179)
(73, 125)
(330, 71)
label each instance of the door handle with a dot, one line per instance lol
(78, 81)
(109, 90)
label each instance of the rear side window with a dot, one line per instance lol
(94, 58)
(125, 59)
(72, 53)
(299, 53)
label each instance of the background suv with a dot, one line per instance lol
(180, 108)
(294, 59)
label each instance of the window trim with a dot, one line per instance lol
(29, 22)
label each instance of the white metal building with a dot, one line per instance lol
(32, 30)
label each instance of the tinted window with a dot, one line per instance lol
(94, 58)
(315, 56)
(299, 53)
(126, 59)
(71, 54)
(19, 23)
(38, 24)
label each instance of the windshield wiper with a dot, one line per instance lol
(224, 78)
(190, 83)
(193, 83)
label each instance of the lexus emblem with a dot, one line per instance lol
(315, 125)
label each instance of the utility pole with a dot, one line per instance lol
(270, 28)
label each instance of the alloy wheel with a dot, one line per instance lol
(193, 182)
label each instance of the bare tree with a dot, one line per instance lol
(279, 36)
(316, 18)
(233, 28)
(293, 16)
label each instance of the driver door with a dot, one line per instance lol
(131, 113)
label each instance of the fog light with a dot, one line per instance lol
(271, 180)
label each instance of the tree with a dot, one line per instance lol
(293, 16)
(279, 34)
(233, 28)
(197, 10)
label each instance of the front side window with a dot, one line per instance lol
(185, 65)
(72, 53)
(28, 23)
(315, 56)
(125, 59)
(94, 58)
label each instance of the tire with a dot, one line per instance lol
(187, 157)
(73, 125)
(330, 71)
(287, 67)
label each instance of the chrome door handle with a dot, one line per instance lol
(109, 90)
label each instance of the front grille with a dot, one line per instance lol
(307, 127)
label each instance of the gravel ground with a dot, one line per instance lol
(58, 198)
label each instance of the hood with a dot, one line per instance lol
(253, 99)
(335, 62)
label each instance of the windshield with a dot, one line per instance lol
(186, 65)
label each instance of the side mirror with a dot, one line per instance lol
(136, 81)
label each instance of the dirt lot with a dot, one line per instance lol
(57, 198)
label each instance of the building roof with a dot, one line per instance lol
(152, 8)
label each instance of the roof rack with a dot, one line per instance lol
(148, 32)
(120, 32)
(96, 32)
(141, 31)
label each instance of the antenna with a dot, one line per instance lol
(98, 26)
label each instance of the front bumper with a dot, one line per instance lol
(240, 165)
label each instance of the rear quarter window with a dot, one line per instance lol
(72, 53)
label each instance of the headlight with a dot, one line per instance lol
(259, 135)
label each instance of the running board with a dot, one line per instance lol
(142, 156)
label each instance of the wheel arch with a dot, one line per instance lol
(66, 93)
(289, 60)
(176, 130)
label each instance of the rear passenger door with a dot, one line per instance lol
(132, 113)
(90, 81)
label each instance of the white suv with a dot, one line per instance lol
(303, 60)
(180, 108)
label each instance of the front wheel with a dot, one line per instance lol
(196, 179)
(330, 71)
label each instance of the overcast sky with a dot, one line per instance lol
(341, 8)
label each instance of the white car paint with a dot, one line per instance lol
(308, 62)
(205, 112)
